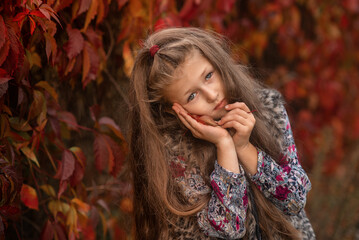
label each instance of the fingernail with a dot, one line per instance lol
(226, 106)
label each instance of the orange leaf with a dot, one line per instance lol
(28, 196)
(51, 47)
(82, 207)
(90, 14)
(128, 58)
(38, 104)
(85, 65)
(45, 85)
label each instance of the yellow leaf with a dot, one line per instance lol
(56, 206)
(71, 220)
(48, 189)
(30, 155)
(19, 124)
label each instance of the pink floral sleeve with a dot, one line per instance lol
(285, 184)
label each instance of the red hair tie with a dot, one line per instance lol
(154, 49)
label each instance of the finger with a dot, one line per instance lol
(233, 117)
(240, 105)
(237, 115)
(238, 127)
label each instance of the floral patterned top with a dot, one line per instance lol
(285, 184)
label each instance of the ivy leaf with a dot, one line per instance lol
(4, 50)
(3, 33)
(76, 42)
(108, 154)
(68, 118)
(45, 85)
(121, 3)
(82, 207)
(79, 166)
(4, 76)
(51, 47)
(128, 58)
(30, 155)
(16, 52)
(84, 6)
(91, 13)
(86, 64)
(47, 232)
(68, 164)
(47, 11)
(29, 198)
(103, 152)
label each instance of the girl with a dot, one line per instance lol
(211, 150)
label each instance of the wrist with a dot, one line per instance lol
(225, 143)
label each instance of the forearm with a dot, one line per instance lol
(248, 157)
(227, 156)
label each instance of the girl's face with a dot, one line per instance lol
(198, 87)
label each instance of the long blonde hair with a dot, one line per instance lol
(156, 134)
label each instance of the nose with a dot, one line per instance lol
(211, 94)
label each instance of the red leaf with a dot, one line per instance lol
(102, 152)
(78, 174)
(29, 197)
(37, 13)
(75, 44)
(32, 25)
(79, 166)
(48, 231)
(68, 118)
(108, 153)
(4, 51)
(91, 63)
(9, 210)
(62, 188)
(16, 52)
(68, 165)
(20, 16)
(84, 6)
(4, 76)
(95, 111)
(121, 3)
(3, 32)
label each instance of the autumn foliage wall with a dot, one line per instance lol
(64, 68)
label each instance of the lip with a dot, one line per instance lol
(221, 104)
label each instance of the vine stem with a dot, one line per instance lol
(118, 88)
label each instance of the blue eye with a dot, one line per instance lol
(209, 75)
(191, 97)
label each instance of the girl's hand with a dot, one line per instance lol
(241, 119)
(214, 134)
